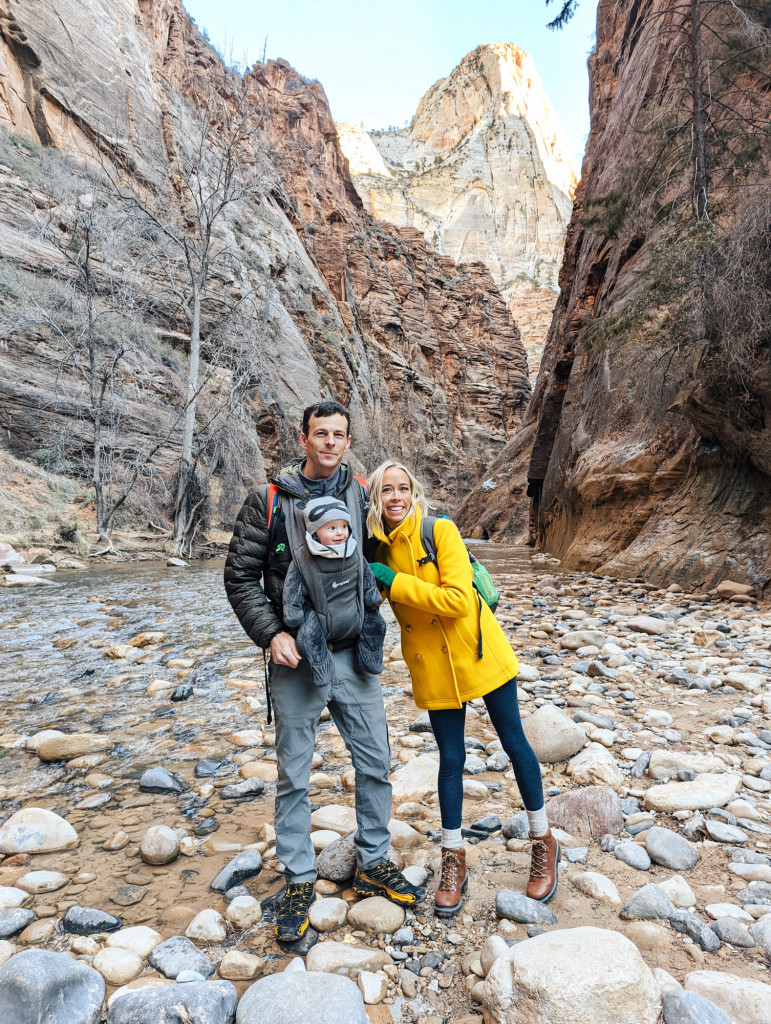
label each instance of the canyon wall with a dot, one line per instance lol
(424, 351)
(484, 171)
(628, 462)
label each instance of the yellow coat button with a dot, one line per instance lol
(434, 622)
(418, 657)
(408, 628)
(444, 648)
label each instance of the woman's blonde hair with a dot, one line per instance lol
(375, 519)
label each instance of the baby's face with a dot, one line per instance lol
(335, 532)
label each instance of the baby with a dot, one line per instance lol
(343, 611)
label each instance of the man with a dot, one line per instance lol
(265, 541)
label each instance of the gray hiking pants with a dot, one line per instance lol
(355, 701)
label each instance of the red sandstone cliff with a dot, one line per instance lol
(426, 353)
(631, 465)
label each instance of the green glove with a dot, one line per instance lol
(382, 573)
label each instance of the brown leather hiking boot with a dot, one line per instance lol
(452, 885)
(543, 868)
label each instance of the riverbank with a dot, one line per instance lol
(629, 692)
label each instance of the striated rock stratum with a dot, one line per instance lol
(634, 458)
(484, 171)
(426, 352)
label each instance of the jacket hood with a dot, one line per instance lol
(289, 479)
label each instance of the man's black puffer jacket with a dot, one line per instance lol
(259, 605)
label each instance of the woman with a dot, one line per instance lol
(441, 616)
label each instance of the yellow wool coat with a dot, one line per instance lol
(438, 611)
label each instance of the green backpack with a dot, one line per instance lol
(481, 578)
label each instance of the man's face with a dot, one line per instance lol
(325, 444)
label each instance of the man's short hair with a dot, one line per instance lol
(321, 409)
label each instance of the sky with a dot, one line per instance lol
(377, 59)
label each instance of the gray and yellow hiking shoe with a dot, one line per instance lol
(385, 879)
(292, 918)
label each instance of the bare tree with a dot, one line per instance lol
(92, 307)
(183, 218)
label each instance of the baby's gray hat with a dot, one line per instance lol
(319, 511)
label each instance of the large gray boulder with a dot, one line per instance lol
(38, 987)
(195, 1002)
(302, 997)
(587, 975)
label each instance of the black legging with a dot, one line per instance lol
(448, 725)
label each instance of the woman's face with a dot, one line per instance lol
(396, 496)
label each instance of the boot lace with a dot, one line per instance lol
(388, 874)
(296, 898)
(540, 858)
(450, 868)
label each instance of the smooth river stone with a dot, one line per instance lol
(302, 997)
(199, 1002)
(552, 734)
(333, 957)
(64, 748)
(12, 897)
(670, 850)
(703, 792)
(88, 920)
(243, 866)
(32, 983)
(180, 954)
(42, 881)
(515, 906)
(14, 920)
(36, 830)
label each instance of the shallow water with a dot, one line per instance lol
(79, 689)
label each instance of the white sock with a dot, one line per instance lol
(451, 839)
(538, 822)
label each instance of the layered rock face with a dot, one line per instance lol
(483, 171)
(426, 353)
(624, 476)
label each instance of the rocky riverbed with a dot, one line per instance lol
(137, 776)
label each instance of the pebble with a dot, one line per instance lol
(341, 957)
(244, 911)
(680, 1007)
(590, 813)
(243, 866)
(590, 883)
(179, 954)
(633, 855)
(161, 780)
(139, 940)
(553, 735)
(648, 904)
(670, 850)
(207, 926)
(723, 833)
(728, 929)
(701, 933)
(89, 920)
(118, 966)
(159, 845)
(376, 914)
(517, 907)
(328, 914)
(239, 966)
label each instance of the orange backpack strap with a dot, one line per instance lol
(273, 502)
(363, 483)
